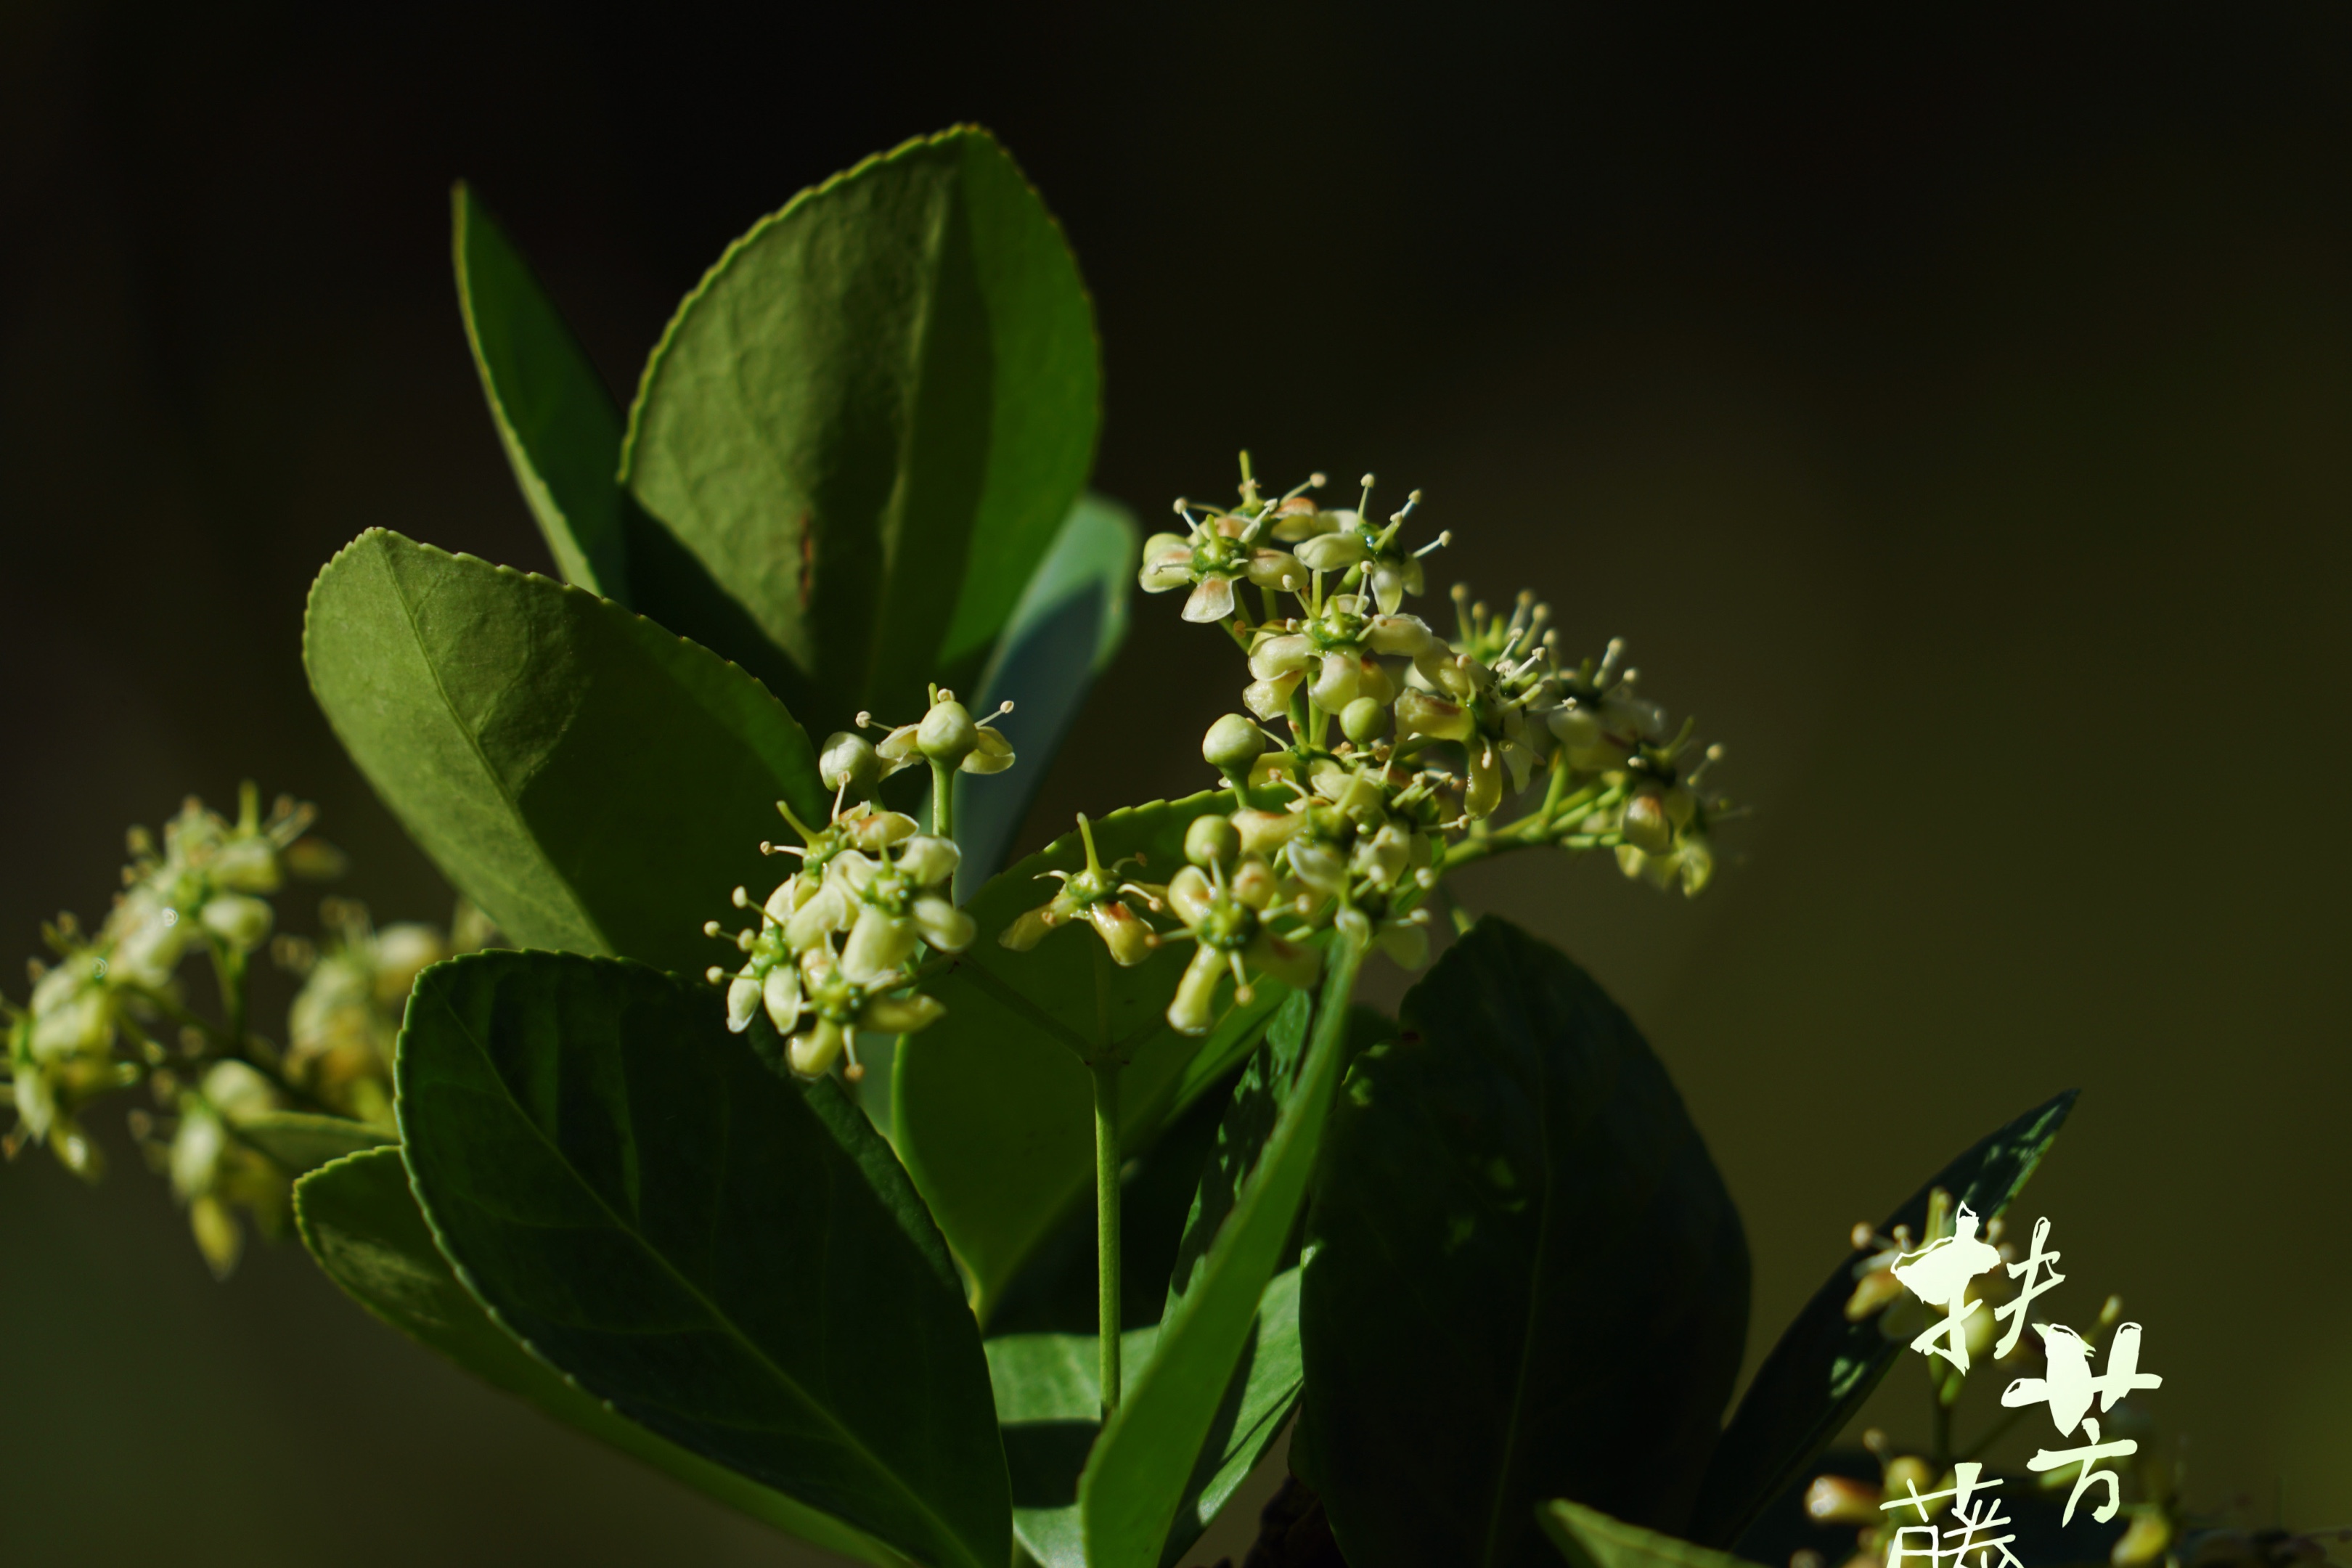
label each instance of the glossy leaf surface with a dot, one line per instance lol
(868, 420)
(734, 1262)
(993, 1110)
(560, 426)
(1132, 1496)
(1525, 1277)
(1590, 1539)
(1824, 1367)
(1064, 631)
(362, 1224)
(594, 782)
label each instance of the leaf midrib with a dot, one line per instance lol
(481, 758)
(726, 1323)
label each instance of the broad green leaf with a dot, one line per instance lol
(593, 782)
(299, 1141)
(362, 1224)
(1064, 632)
(1525, 1277)
(558, 424)
(1590, 1539)
(735, 1262)
(1132, 1495)
(1825, 1366)
(871, 415)
(993, 1111)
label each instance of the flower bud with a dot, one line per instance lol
(1645, 827)
(742, 998)
(404, 951)
(850, 760)
(1028, 929)
(1264, 832)
(1231, 745)
(1364, 721)
(247, 866)
(1190, 894)
(1332, 552)
(901, 1015)
(241, 920)
(1401, 636)
(927, 859)
(811, 1053)
(1276, 569)
(1283, 654)
(1837, 1500)
(1130, 939)
(1195, 1007)
(780, 993)
(1211, 840)
(875, 831)
(947, 928)
(878, 945)
(947, 734)
(1420, 713)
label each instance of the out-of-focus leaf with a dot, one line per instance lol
(993, 1110)
(558, 424)
(733, 1261)
(868, 420)
(1825, 1366)
(593, 782)
(1069, 623)
(1524, 1276)
(362, 1224)
(1590, 1539)
(300, 1141)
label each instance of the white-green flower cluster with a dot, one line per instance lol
(1375, 754)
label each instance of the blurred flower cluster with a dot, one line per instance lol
(1375, 755)
(111, 1013)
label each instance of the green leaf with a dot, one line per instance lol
(1069, 623)
(868, 420)
(1525, 1275)
(1824, 1367)
(724, 1257)
(362, 1226)
(1133, 1493)
(593, 782)
(1590, 1539)
(993, 1110)
(558, 424)
(299, 1141)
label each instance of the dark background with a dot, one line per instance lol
(1952, 411)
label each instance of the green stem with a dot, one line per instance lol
(942, 801)
(1106, 1238)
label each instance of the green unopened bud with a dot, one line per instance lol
(1212, 841)
(927, 859)
(1420, 713)
(947, 734)
(1364, 721)
(849, 758)
(780, 993)
(1195, 1007)
(1264, 832)
(812, 1052)
(1645, 826)
(742, 1001)
(878, 944)
(241, 920)
(1231, 745)
(1130, 940)
(947, 928)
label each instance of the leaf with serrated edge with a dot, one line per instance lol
(870, 417)
(729, 1258)
(1590, 1539)
(558, 422)
(993, 1109)
(1525, 1275)
(595, 783)
(1824, 1367)
(362, 1226)
(299, 1141)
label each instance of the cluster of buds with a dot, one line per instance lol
(100, 1016)
(355, 983)
(837, 942)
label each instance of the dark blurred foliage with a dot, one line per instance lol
(1951, 405)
